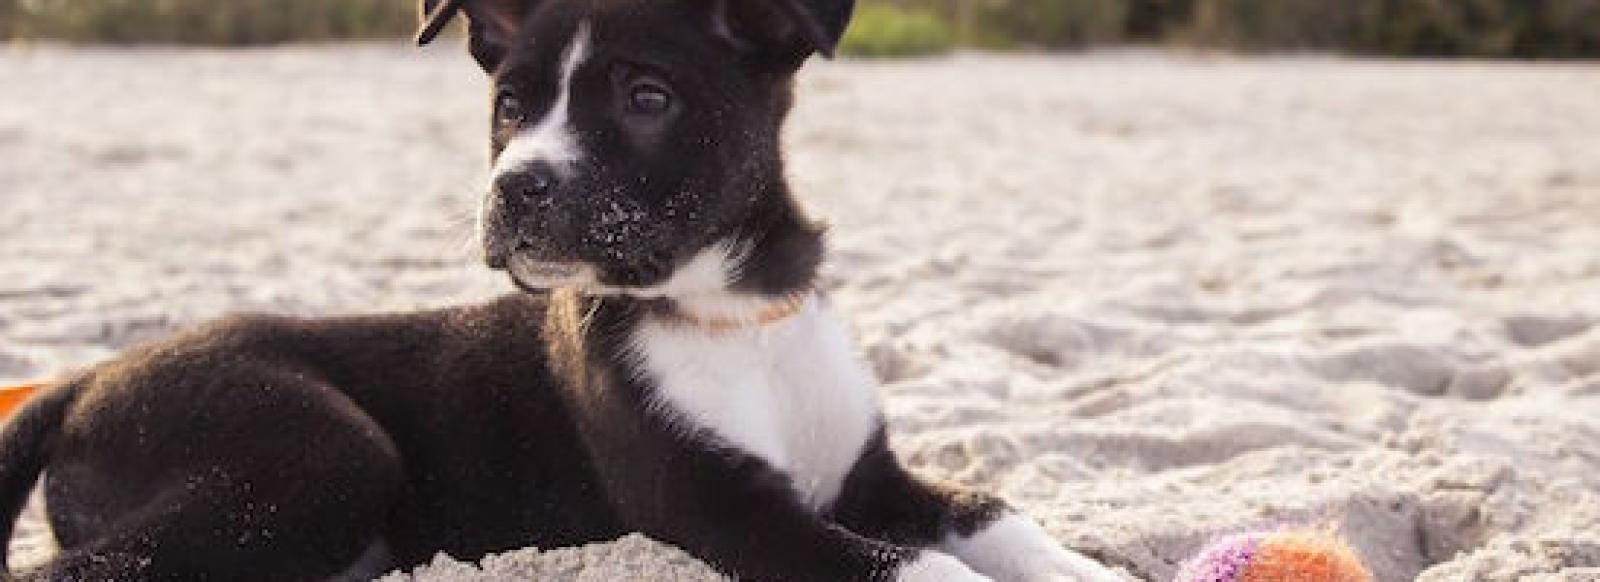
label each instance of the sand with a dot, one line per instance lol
(1150, 297)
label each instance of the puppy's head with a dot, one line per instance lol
(635, 142)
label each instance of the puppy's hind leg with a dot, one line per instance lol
(294, 490)
(885, 501)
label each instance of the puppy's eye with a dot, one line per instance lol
(508, 109)
(647, 98)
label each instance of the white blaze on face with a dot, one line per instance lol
(552, 140)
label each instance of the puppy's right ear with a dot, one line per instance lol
(784, 31)
(492, 25)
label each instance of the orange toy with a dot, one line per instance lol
(1277, 556)
(13, 396)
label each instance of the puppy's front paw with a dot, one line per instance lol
(931, 566)
(1015, 549)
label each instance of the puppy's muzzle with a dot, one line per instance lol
(513, 199)
(528, 185)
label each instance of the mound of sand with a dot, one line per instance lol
(1149, 297)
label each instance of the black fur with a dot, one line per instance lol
(881, 499)
(266, 440)
(277, 448)
(26, 442)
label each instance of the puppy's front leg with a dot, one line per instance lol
(737, 513)
(1014, 548)
(883, 500)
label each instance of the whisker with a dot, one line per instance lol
(588, 318)
(460, 227)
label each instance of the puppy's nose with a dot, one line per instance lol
(527, 184)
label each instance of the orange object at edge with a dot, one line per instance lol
(1305, 557)
(13, 396)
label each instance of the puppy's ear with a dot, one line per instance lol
(491, 25)
(788, 30)
(435, 15)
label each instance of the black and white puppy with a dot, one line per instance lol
(669, 368)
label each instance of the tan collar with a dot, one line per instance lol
(778, 310)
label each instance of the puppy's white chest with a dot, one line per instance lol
(792, 393)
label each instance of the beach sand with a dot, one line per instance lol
(1149, 297)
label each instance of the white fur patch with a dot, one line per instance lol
(552, 140)
(1015, 549)
(930, 566)
(792, 392)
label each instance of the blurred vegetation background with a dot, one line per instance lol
(208, 22)
(1477, 28)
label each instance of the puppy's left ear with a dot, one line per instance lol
(435, 14)
(784, 29)
(492, 25)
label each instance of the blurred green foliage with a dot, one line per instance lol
(1285, 24)
(891, 31)
(1053, 23)
(215, 22)
(1492, 28)
(1487, 28)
